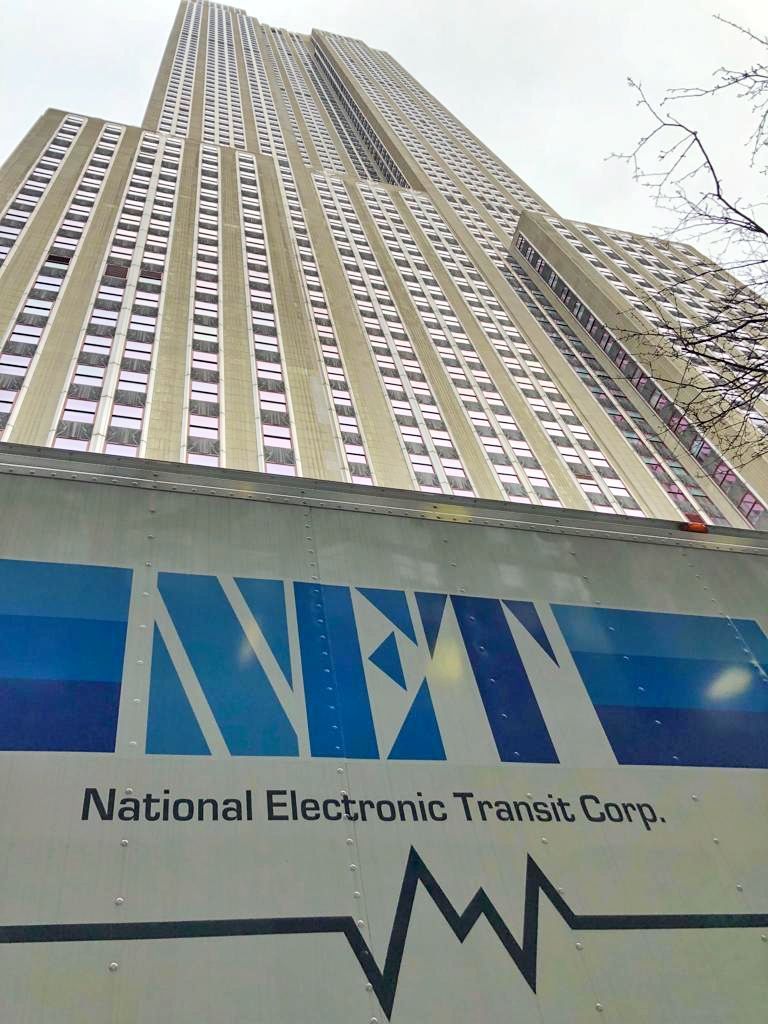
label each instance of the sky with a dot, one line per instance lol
(542, 82)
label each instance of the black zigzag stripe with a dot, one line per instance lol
(384, 980)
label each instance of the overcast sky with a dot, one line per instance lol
(542, 82)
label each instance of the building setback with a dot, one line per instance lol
(302, 264)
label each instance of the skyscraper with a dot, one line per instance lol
(302, 264)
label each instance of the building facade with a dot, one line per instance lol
(302, 264)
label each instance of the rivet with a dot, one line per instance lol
(356, 895)
(739, 887)
(715, 840)
(561, 891)
(147, 563)
(123, 842)
(368, 987)
(374, 1020)
(132, 743)
(343, 792)
(599, 1007)
(694, 797)
(119, 901)
(544, 840)
(764, 938)
(353, 867)
(143, 625)
(350, 841)
(529, 796)
(114, 966)
(145, 593)
(128, 790)
(339, 771)
(361, 924)
(579, 945)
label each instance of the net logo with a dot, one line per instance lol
(308, 669)
(243, 667)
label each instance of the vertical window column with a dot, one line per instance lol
(429, 448)
(684, 491)
(277, 453)
(174, 116)
(298, 138)
(222, 113)
(313, 119)
(574, 446)
(104, 405)
(15, 217)
(268, 129)
(204, 429)
(484, 407)
(30, 331)
(708, 457)
(348, 428)
(127, 413)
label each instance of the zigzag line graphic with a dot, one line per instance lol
(384, 980)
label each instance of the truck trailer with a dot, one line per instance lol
(278, 750)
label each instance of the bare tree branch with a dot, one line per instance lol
(707, 339)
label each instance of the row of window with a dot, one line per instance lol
(27, 335)
(436, 465)
(104, 407)
(19, 210)
(685, 285)
(268, 131)
(287, 105)
(222, 108)
(413, 124)
(202, 444)
(684, 491)
(497, 432)
(365, 141)
(342, 404)
(177, 102)
(451, 126)
(711, 461)
(575, 447)
(463, 167)
(360, 156)
(278, 448)
(328, 154)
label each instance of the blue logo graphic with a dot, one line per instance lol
(674, 689)
(62, 643)
(235, 634)
(268, 668)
